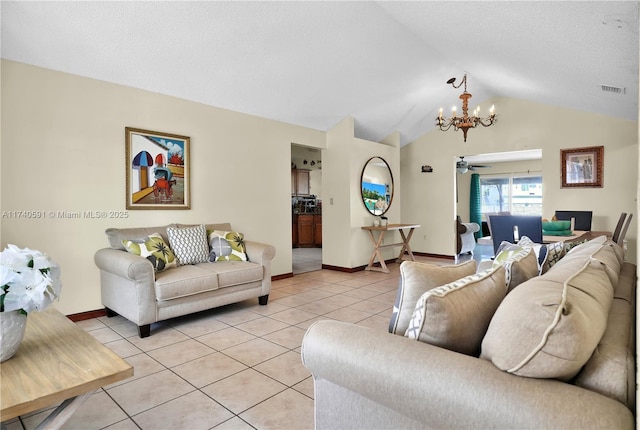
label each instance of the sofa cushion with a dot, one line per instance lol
(154, 249)
(189, 244)
(226, 246)
(549, 326)
(455, 316)
(416, 279)
(235, 272)
(611, 369)
(519, 262)
(606, 371)
(185, 281)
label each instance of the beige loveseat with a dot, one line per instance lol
(145, 292)
(557, 353)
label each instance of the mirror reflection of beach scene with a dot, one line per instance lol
(374, 197)
(376, 186)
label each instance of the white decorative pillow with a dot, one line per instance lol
(519, 262)
(154, 249)
(189, 244)
(455, 316)
(417, 278)
(227, 246)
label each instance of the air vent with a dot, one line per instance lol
(612, 89)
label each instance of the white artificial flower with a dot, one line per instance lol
(14, 257)
(7, 276)
(29, 280)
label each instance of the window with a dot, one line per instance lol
(520, 195)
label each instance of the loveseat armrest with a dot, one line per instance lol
(124, 264)
(439, 388)
(127, 286)
(260, 253)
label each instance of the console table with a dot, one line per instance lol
(57, 362)
(377, 243)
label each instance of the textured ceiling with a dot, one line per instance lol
(315, 63)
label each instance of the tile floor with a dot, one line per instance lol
(306, 260)
(235, 367)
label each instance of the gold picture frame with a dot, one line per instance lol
(582, 167)
(158, 170)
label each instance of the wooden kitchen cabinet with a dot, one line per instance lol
(305, 231)
(317, 230)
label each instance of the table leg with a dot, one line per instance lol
(62, 413)
(376, 253)
(405, 246)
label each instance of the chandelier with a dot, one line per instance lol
(464, 122)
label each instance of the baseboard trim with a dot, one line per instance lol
(356, 269)
(87, 315)
(342, 269)
(425, 254)
(282, 276)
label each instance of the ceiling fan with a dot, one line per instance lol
(463, 166)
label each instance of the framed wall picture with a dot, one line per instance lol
(582, 167)
(157, 166)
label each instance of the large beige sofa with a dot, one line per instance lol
(132, 288)
(547, 359)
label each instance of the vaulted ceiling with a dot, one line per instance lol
(314, 63)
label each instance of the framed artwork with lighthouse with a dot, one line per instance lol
(157, 166)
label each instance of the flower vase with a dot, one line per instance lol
(12, 327)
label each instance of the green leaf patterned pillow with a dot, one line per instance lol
(154, 249)
(227, 246)
(520, 264)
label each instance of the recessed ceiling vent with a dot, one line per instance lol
(613, 90)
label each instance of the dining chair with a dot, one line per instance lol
(488, 215)
(623, 233)
(616, 232)
(582, 219)
(511, 228)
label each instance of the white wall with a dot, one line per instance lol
(343, 219)
(63, 150)
(429, 198)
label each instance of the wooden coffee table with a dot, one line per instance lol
(57, 362)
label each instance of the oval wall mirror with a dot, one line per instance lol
(376, 185)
